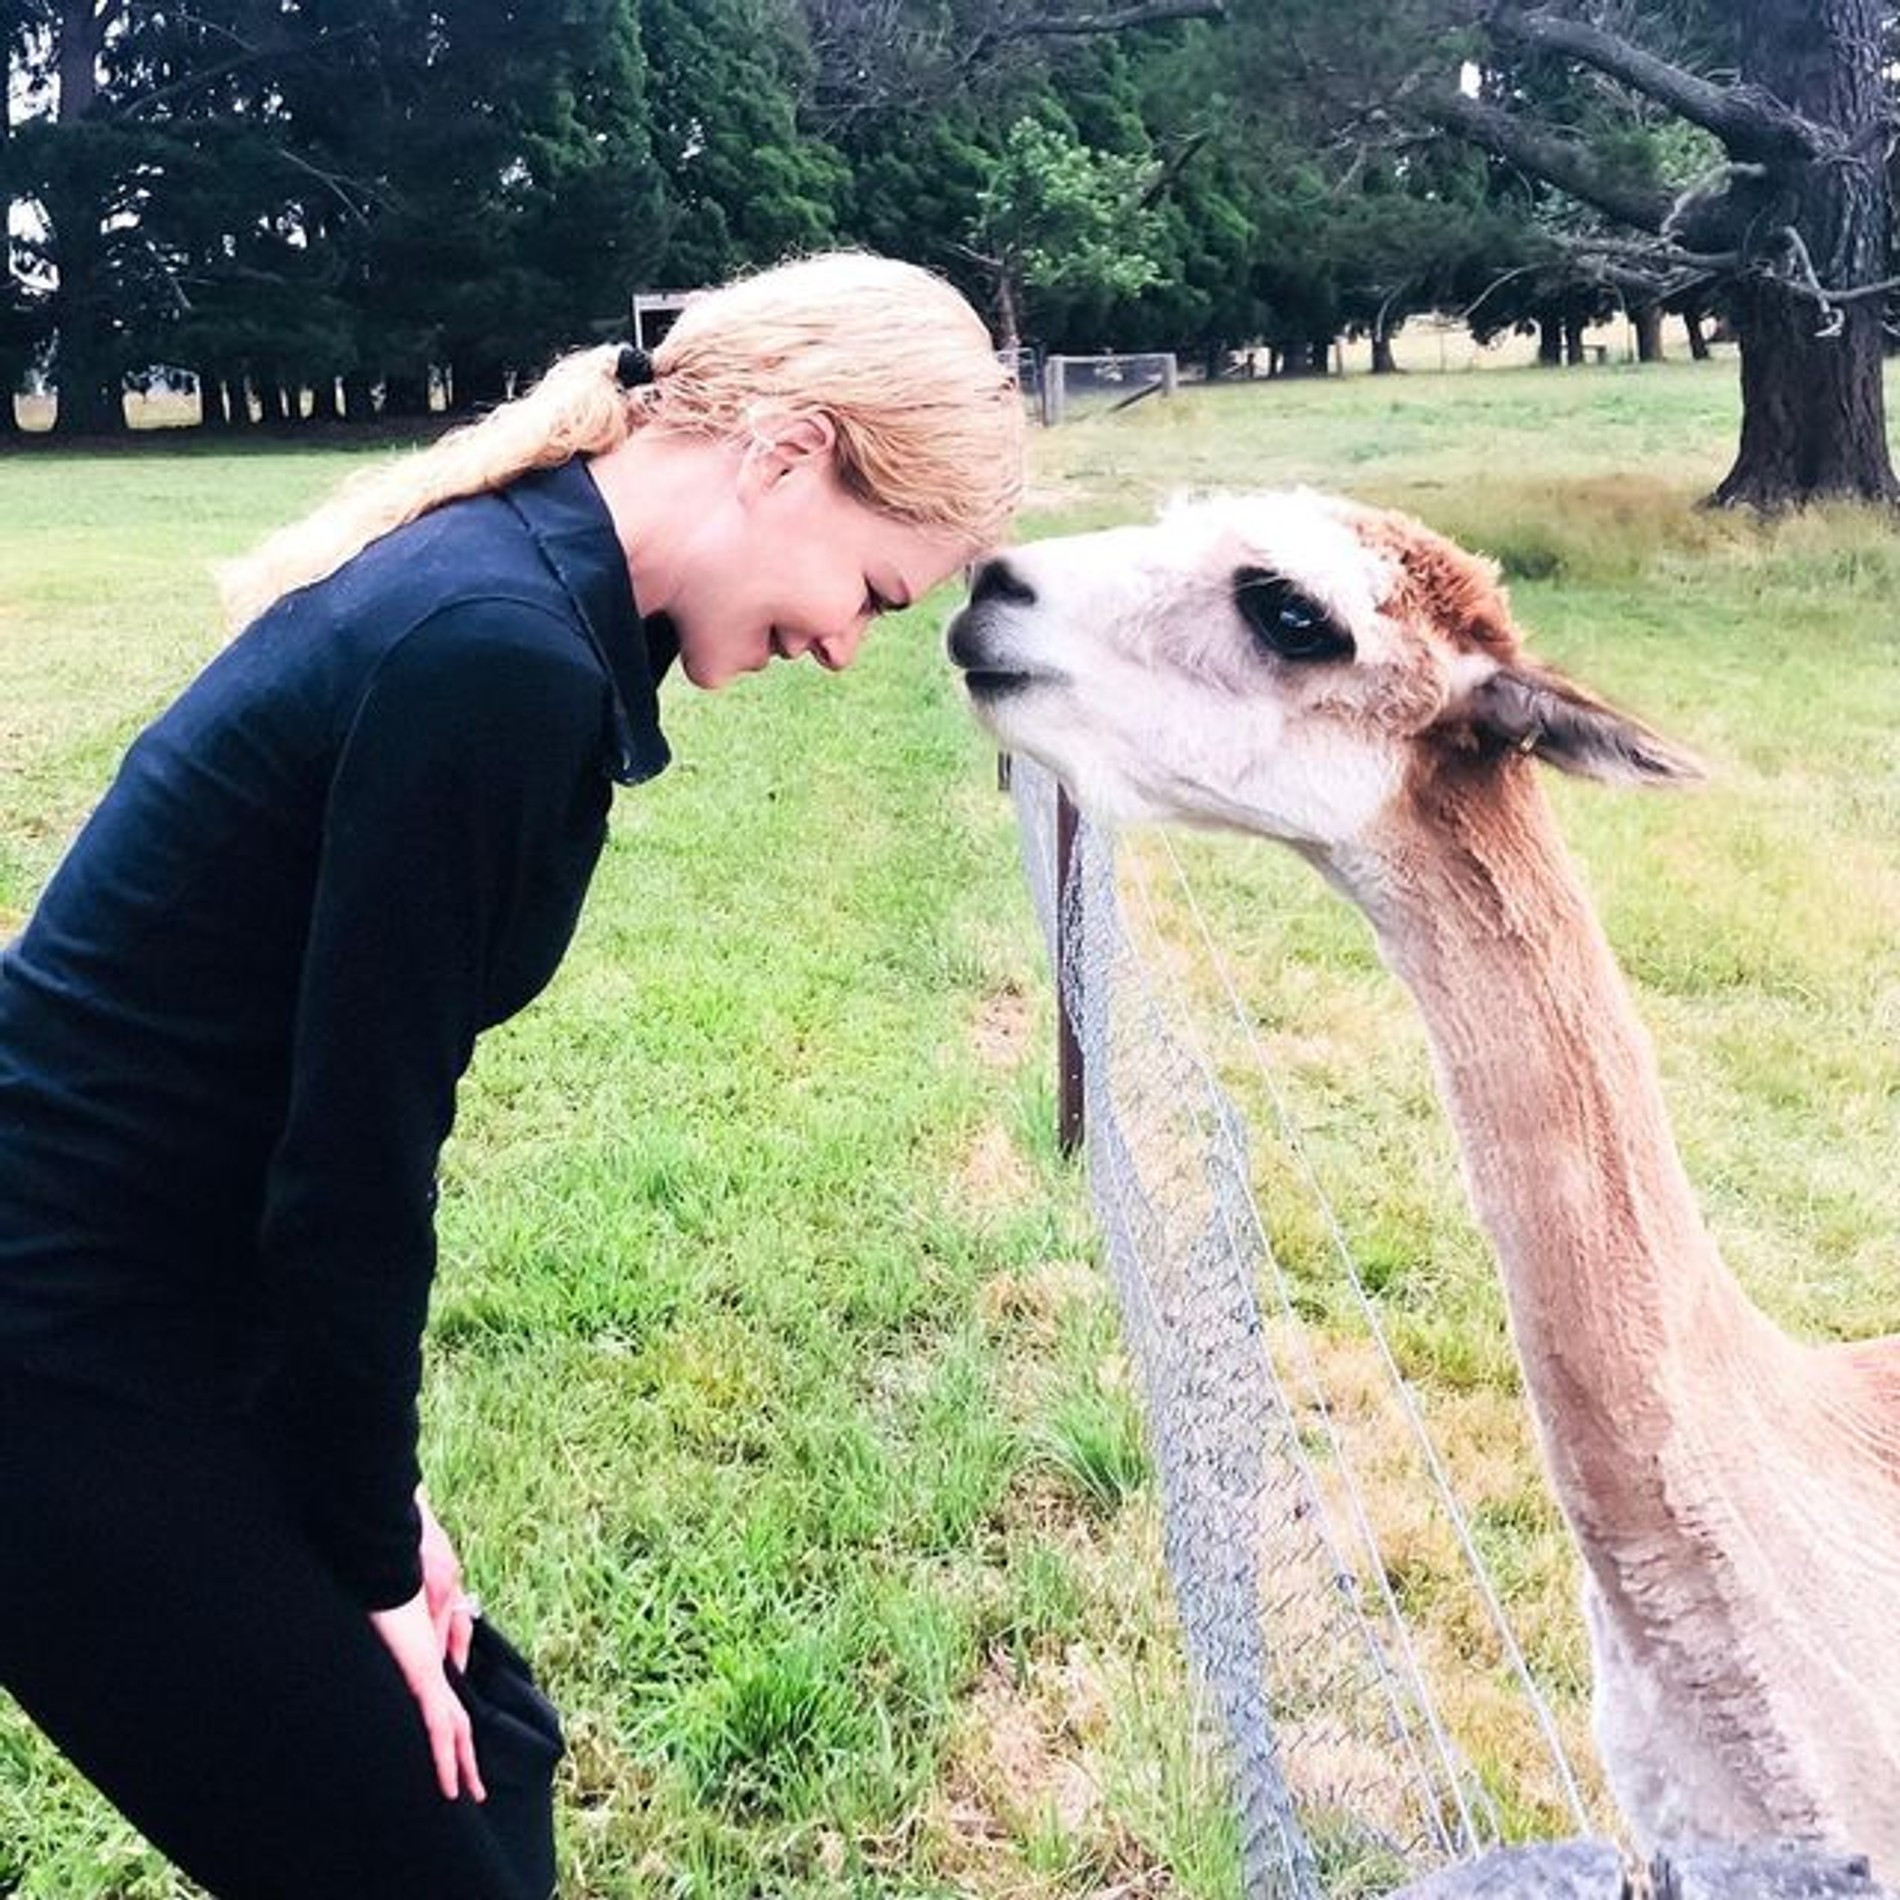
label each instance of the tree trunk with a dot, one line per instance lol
(10, 311)
(1009, 326)
(212, 414)
(477, 384)
(1647, 319)
(1698, 338)
(1813, 409)
(1813, 405)
(1550, 342)
(91, 389)
(406, 394)
(326, 400)
(359, 397)
(1382, 363)
(1573, 341)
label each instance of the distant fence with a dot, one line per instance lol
(1059, 388)
(1074, 386)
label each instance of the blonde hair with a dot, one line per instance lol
(929, 422)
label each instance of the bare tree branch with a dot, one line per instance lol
(1163, 181)
(1750, 122)
(871, 59)
(204, 76)
(356, 195)
(183, 16)
(1497, 283)
(1119, 19)
(1858, 293)
(1659, 268)
(1564, 162)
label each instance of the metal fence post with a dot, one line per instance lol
(1068, 975)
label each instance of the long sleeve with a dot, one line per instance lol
(463, 821)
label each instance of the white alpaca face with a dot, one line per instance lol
(1240, 663)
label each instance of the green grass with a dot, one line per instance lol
(1758, 918)
(756, 1253)
(774, 1396)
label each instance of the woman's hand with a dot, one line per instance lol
(451, 1608)
(409, 1634)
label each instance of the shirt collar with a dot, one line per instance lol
(564, 512)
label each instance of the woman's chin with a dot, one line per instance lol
(707, 675)
(712, 671)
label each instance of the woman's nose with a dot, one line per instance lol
(836, 651)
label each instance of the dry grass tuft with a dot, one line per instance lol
(1004, 1027)
(991, 1174)
(1022, 1809)
(1039, 1298)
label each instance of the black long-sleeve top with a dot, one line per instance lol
(231, 1032)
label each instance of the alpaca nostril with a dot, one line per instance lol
(966, 642)
(996, 581)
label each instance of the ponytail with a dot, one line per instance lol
(578, 408)
(929, 422)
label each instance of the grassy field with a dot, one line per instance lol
(775, 1396)
(1758, 919)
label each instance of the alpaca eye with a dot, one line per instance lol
(1288, 623)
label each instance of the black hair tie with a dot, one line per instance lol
(633, 368)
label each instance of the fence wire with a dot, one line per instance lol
(1345, 1779)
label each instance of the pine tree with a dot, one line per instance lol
(745, 185)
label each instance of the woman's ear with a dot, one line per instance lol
(786, 441)
(807, 435)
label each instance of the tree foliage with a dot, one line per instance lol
(1788, 229)
(1056, 215)
(320, 201)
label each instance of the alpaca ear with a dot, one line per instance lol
(1528, 709)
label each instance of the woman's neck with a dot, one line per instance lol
(662, 489)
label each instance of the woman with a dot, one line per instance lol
(230, 1036)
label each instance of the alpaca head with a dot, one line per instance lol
(1287, 663)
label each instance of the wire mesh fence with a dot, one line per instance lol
(1346, 1778)
(1075, 388)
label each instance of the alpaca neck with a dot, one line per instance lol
(1629, 1327)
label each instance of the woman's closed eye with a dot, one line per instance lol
(876, 601)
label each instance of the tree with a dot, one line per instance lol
(1056, 215)
(142, 118)
(882, 56)
(1792, 227)
(744, 184)
(78, 174)
(515, 200)
(1403, 241)
(918, 96)
(284, 196)
(19, 328)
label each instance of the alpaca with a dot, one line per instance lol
(1342, 679)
